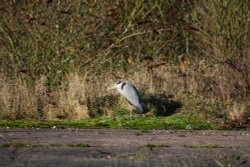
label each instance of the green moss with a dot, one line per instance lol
(16, 144)
(78, 145)
(190, 146)
(53, 145)
(204, 146)
(144, 123)
(132, 156)
(234, 156)
(211, 146)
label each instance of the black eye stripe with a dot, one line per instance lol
(118, 82)
(123, 84)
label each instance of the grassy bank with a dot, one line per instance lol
(57, 58)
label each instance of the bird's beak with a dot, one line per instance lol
(111, 88)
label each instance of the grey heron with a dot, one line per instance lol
(129, 91)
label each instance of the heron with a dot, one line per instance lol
(132, 95)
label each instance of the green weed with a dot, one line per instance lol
(17, 144)
(131, 156)
(179, 121)
(204, 146)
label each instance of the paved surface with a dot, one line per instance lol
(66, 147)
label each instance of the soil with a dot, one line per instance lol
(106, 147)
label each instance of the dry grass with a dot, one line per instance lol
(238, 113)
(17, 99)
(72, 97)
(20, 101)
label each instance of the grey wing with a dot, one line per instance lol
(132, 94)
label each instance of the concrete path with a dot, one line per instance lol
(107, 148)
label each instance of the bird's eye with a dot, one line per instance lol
(118, 82)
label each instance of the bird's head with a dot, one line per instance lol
(115, 85)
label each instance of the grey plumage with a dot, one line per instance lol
(129, 91)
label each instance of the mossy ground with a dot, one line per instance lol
(141, 122)
(204, 146)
